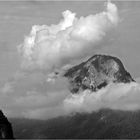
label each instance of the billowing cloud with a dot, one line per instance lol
(48, 48)
(52, 47)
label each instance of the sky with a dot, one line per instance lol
(16, 21)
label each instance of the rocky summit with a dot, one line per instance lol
(97, 72)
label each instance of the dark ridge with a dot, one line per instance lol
(6, 131)
(103, 124)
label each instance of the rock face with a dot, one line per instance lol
(97, 72)
(6, 131)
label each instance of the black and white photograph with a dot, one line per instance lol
(69, 69)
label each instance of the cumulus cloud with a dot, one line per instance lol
(52, 47)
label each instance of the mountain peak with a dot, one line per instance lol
(97, 72)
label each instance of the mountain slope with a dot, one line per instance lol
(107, 124)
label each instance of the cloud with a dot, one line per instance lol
(30, 96)
(7, 88)
(56, 100)
(48, 48)
(52, 47)
(115, 96)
